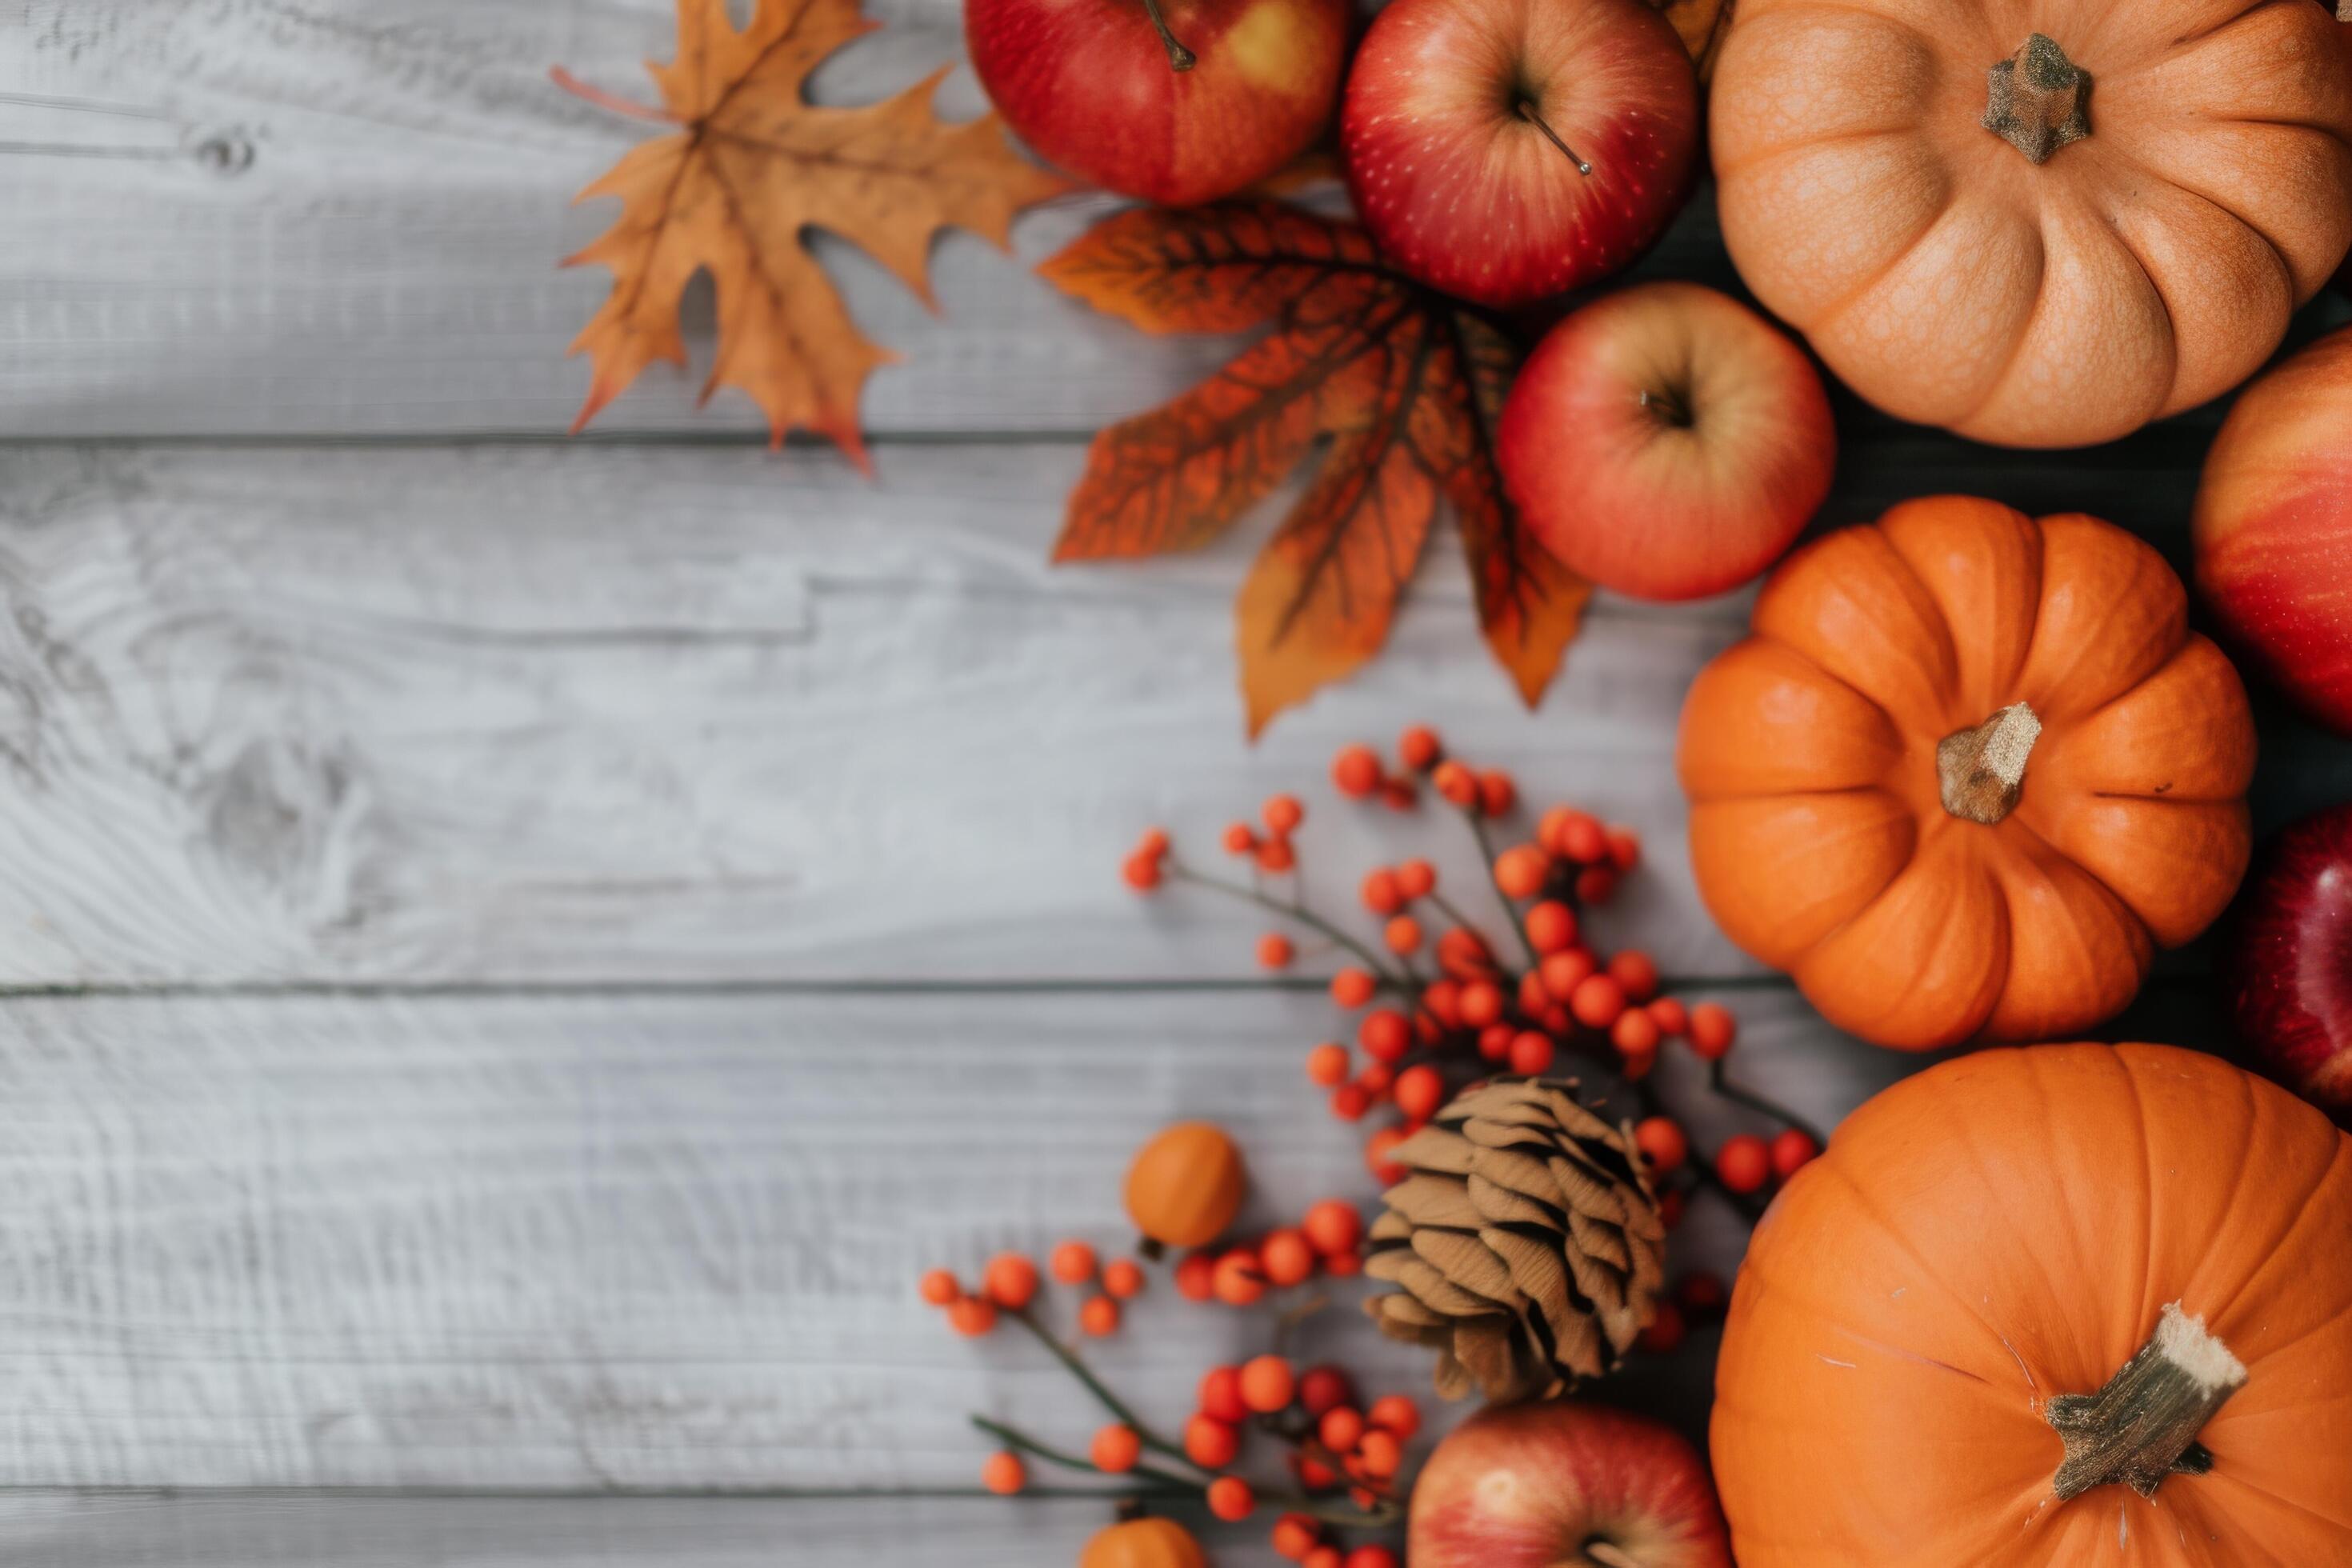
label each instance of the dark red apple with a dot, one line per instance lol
(2274, 527)
(1505, 150)
(2288, 963)
(1535, 1486)
(1667, 442)
(1175, 101)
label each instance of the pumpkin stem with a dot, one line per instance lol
(2143, 1426)
(1983, 769)
(2040, 100)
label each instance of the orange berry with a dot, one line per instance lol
(973, 1316)
(1792, 1150)
(1577, 836)
(1333, 1225)
(1636, 1065)
(1349, 1101)
(1011, 1281)
(1275, 951)
(1154, 843)
(1351, 988)
(1624, 847)
(1416, 879)
(1314, 1475)
(1230, 1499)
(1635, 1034)
(1669, 1014)
(1464, 953)
(1141, 872)
(1098, 1316)
(1597, 1001)
(1240, 839)
(1395, 1412)
(1497, 791)
(1712, 1029)
(1637, 972)
(1372, 1557)
(1379, 892)
(1595, 885)
(1196, 1277)
(1379, 1452)
(1495, 1041)
(1268, 1385)
(1480, 1004)
(1566, 970)
(1384, 1034)
(1286, 1258)
(1355, 771)
(1341, 1429)
(1702, 1292)
(1122, 1278)
(1670, 1209)
(1666, 1330)
(941, 1287)
(1116, 1449)
(1239, 1280)
(1003, 1474)
(1275, 856)
(1376, 1079)
(1457, 784)
(1398, 795)
(1220, 1396)
(1531, 1052)
(1326, 1556)
(1442, 1000)
(1520, 870)
(1344, 1265)
(1420, 1091)
(1072, 1263)
(1376, 1148)
(1326, 1064)
(1744, 1163)
(1551, 926)
(1419, 747)
(1402, 935)
(1281, 814)
(1322, 1389)
(1210, 1443)
(1662, 1142)
(1294, 1535)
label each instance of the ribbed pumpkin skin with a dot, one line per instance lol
(1143, 1544)
(1817, 831)
(1186, 1184)
(2005, 1228)
(1943, 276)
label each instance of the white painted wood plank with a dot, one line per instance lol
(638, 1241)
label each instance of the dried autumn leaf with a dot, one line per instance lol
(752, 167)
(1403, 383)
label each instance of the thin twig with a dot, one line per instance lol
(1486, 857)
(1723, 1086)
(1096, 1386)
(1181, 872)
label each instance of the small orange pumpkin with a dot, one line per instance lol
(1185, 1185)
(1967, 772)
(1144, 1544)
(1926, 1307)
(2041, 223)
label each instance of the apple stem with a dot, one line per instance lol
(1528, 113)
(1180, 59)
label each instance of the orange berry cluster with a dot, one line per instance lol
(1337, 1442)
(1698, 1299)
(1011, 1282)
(1328, 1239)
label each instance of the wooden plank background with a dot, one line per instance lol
(521, 950)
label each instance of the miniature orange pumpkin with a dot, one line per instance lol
(1968, 770)
(2041, 223)
(2024, 1282)
(1185, 1185)
(1143, 1544)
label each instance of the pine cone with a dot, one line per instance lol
(1526, 1240)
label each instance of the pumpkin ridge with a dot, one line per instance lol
(2124, 154)
(2298, 1214)
(1870, 1210)
(2148, 1190)
(2264, 1492)
(2171, 316)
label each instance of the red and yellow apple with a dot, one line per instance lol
(2274, 527)
(2288, 966)
(1505, 150)
(1535, 1486)
(1667, 442)
(1175, 101)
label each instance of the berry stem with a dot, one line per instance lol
(1163, 1484)
(1718, 1081)
(1178, 871)
(1095, 1385)
(1180, 59)
(1013, 1437)
(1486, 857)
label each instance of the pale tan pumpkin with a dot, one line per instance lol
(2192, 192)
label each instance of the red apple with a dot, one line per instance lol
(1532, 1486)
(2288, 964)
(1667, 442)
(2274, 527)
(1175, 101)
(1505, 150)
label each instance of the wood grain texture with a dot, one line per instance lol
(641, 1242)
(531, 715)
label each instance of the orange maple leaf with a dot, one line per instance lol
(1403, 384)
(752, 167)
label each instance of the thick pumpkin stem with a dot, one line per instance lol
(2143, 1426)
(1983, 769)
(2040, 100)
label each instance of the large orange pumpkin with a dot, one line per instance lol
(2162, 183)
(1925, 1306)
(1967, 772)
